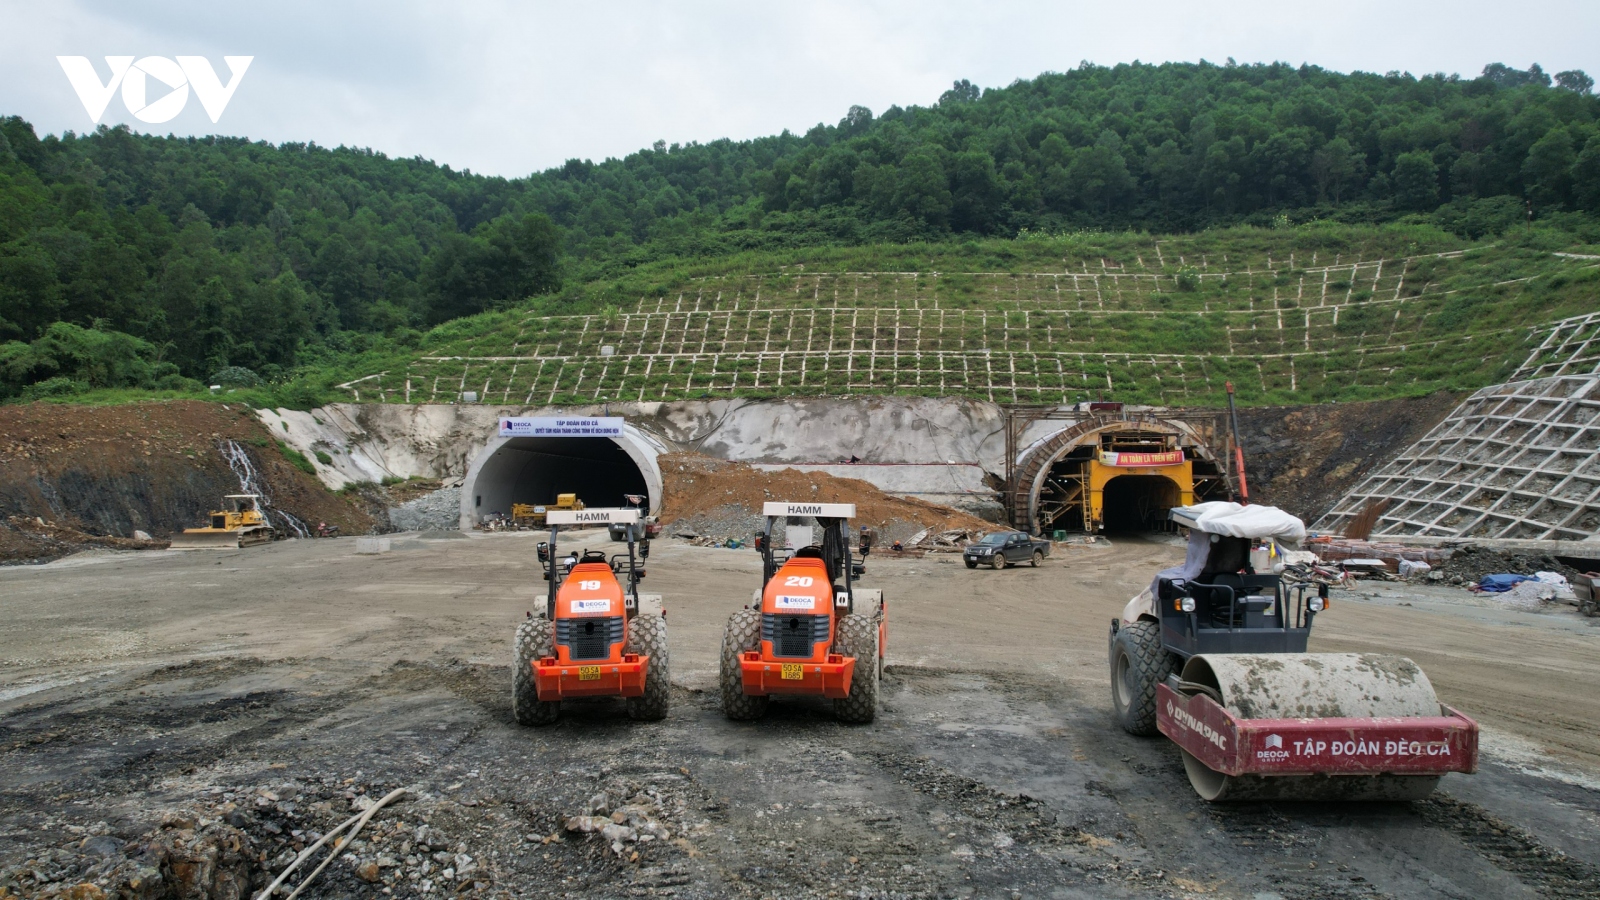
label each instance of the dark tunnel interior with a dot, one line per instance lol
(1138, 502)
(535, 470)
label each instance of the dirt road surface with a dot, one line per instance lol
(267, 693)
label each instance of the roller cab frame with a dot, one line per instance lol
(1214, 656)
(592, 613)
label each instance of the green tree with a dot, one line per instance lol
(1335, 168)
(500, 263)
(1586, 175)
(523, 256)
(1505, 76)
(962, 91)
(1547, 172)
(90, 357)
(1575, 80)
(1099, 175)
(921, 190)
(975, 195)
(1416, 181)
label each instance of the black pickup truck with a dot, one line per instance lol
(1002, 548)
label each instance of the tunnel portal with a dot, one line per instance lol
(1116, 474)
(601, 471)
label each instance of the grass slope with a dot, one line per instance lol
(1294, 315)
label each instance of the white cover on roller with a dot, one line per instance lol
(1216, 517)
(1255, 522)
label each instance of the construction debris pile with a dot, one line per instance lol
(439, 510)
(32, 539)
(950, 540)
(1469, 565)
(231, 841)
(712, 501)
(622, 825)
(187, 855)
(1336, 549)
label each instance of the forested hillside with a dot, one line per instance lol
(128, 259)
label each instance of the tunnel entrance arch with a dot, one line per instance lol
(600, 470)
(1070, 480)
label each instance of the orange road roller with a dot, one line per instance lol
(596, 636)
(809, 630)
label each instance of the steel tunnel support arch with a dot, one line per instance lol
(1203, 468)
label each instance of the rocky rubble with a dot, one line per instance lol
(230, 843)
(186, 856)
(620, 827)
(1470, 563)
(718, 499)
(440, 510)
(33, 539)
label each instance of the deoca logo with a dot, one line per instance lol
(135, 77)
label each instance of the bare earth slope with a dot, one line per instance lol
(156, 467)
(1304, 458)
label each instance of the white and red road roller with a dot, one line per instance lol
(1213, 655)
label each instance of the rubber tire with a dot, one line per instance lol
(535, 640)
(857, 636)
(997, 561)
(1038, 557)
(742, 634)
(647, 636)
(1137, 654)
(970, 564)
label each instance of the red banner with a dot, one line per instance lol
(1133, 460)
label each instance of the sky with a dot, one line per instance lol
(509, 88)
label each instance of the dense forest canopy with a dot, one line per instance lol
(185, 257)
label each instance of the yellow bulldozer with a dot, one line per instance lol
(530, 515)
(241, 524)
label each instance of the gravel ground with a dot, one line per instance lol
(440, 510)
(192, 718)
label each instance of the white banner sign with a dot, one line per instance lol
(818, 510)
(592, 516)
(553, 426)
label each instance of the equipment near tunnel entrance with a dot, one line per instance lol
(241, 524)
(1113, 468)
(523, 469)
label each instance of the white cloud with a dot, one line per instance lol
(507, 88)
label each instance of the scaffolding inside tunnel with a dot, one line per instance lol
(1123, 480)
(1113, 467)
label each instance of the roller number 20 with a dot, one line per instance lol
(798, 581)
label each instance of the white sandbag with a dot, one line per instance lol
(1410, 567)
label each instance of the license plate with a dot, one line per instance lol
(793, 672)
(588, 673)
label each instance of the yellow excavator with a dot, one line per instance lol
(241, 524)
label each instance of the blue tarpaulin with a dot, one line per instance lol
(1497, 584)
